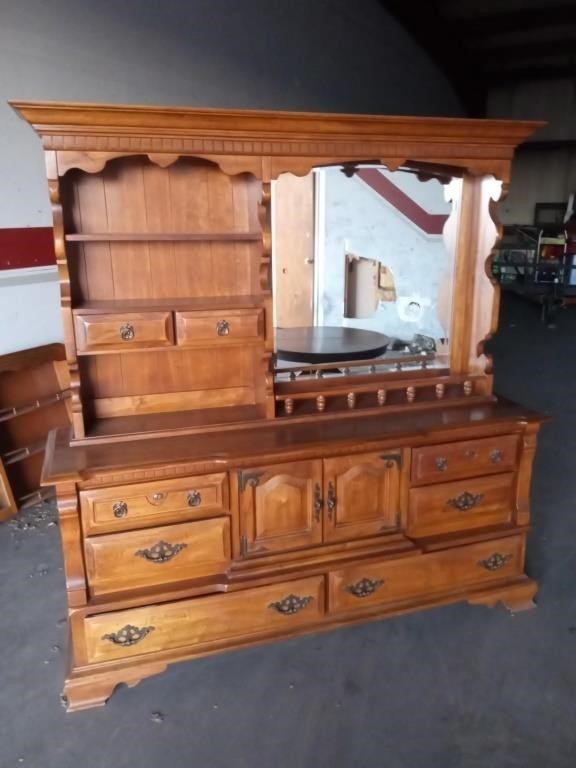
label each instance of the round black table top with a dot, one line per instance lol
(328, 344)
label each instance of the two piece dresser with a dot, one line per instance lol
(209, 498)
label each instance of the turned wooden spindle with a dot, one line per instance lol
(351, 399)
(439, 391)
(467, 387)
(410, 394)
(320, 403)
(288, 406)
(381, 396)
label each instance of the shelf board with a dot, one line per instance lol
(97, 237)
(122, 306)
(166, 423)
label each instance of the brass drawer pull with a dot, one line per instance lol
(496, 456)
(291, 604)
(465, 501)
(331, 500)
(317, 503)
(120, 509)
(161, 552)
(441, 463)
(128, 635)
(364, 587)
(194, 498)
(127, 332)
(495, 562)
(158, 497)
(222, 328)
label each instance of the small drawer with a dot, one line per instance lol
(438, 463)
(125, 332)
(157, 556)
(230, 326)
(462, 505)
(360, 587)
(143, 505)
(275, 609)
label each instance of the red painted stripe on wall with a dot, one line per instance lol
(26, 247)
(431, 223)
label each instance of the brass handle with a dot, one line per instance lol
(331, 500)
(158, 497)
(465, 501)
(496, 456)
(441, 463)
(128, 635)
(317, 503)
(364, 587)
(222, 328)
(495, 561)
(291, 604)
(194, 498)
(161, 552)
(127, 332)
(120, 509)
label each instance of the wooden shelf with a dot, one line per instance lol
(157, 424)
(97, 237)
(123, 306)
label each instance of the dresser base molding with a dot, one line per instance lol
(91, 686)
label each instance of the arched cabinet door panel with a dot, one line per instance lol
(281, 507)
(362, 495)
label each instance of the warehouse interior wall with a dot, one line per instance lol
(326, 55)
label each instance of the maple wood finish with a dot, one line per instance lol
(204, 505)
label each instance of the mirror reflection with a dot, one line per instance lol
(361, 266)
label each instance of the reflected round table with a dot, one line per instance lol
(328, 344)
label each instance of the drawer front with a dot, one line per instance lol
(146, 504)
(157, 556)
(360, 587)
(123, 332)
(465, 504)
(233, 326)
(438, 463)
(278, 608)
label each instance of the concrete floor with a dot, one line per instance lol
(453, 687)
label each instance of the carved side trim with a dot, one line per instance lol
(71, 534)
(528, 449)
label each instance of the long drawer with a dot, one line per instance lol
(125, 332)
(362, 586)
(141, 505)
(463, 505)
(157, 556)
(467, 458)
(278, 608)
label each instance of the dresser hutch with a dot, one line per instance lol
(212, 495)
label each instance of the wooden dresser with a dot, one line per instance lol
(211, 497)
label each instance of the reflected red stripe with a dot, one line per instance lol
(26, 247)
(431, 223)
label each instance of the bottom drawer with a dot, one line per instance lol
(276, 608)
(362, 586)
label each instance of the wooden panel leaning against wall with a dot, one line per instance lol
(215, 492)
(34, 399)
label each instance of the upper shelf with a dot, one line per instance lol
(96, 237)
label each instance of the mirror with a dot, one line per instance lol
(361, 260)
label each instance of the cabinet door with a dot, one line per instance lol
(281, 506)
(361, 495)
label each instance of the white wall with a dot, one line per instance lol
(325, 55)
(357, 220)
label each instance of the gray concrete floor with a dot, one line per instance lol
(453, 687)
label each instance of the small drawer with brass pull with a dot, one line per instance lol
(201, 622)
(360, 587)
(469, 458)
(115, 332)
(157, 556)
(146, 504)
(463, 505)
(234, 326)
